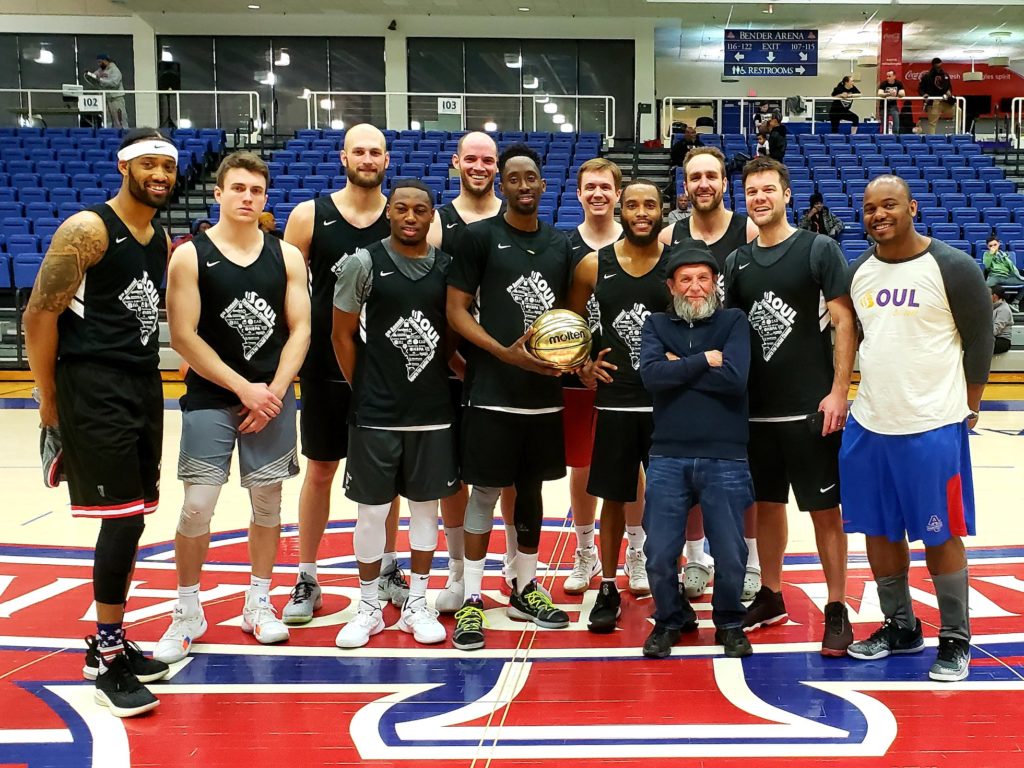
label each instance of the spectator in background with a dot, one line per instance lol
(892, 90)
(268, 224)
(999, 266)
(1002, 320)
(198, 226)
(680, 148)
(107, 76)
(778, 137)
(820, 219)
(762, 141)
(682, 210)
(840, 110)
(937, 89)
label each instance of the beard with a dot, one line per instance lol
(471, 190)
(362, 180)
(642, 241)
(690, 313)
(716, 201)
(138, 191)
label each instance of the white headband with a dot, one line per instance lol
(148, 147)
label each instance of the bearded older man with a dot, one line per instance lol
(694, 360)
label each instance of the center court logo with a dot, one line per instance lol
(890, 297)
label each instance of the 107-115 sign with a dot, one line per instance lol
(771, 52)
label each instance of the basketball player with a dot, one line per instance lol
(400, 435)
(516, 268)
(476, 160)
(91, 331)
(327, 230)
(238, 310)
(598, 187)
(723, 231)
(905, 463)
(627, 279)
(789, 282)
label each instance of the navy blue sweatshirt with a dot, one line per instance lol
(699, 411)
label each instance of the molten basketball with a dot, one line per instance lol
(560, 337)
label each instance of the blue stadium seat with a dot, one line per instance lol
(18, 245)
(931, 216)
(965, 216)
(946, 232)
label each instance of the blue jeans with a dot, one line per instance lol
(724, 490)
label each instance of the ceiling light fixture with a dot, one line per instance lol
(45, 56)
(531, 82)
(490, 126)
(283, 59)
(769, 9)
(551, 107)
(513, 61)
(165, 54)
(558, 119)
(1002, 34)
(566, 128)
(524, 9)
(337, 124)
(253, 7)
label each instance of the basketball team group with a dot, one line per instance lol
(716, 386)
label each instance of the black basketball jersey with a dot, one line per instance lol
(783, 291)
(334, 240)
(241, 317)
(114, 316)
(516, 276)
(735, 235)
(402, 372)
(579, 248)
(625, 303)
(453, 225)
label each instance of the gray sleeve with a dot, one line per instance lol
(829, 267)
(970, 301)
(354, 282)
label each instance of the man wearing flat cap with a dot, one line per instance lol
(107, 76)
(694, 359)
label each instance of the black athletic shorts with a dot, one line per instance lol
(455, 394)
(384, 463)
(793, 453)
(112, 427)
(622, 442)
(500, 449)
(323, 418)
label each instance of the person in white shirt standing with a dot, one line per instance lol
(905, 464)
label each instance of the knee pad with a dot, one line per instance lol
(114, 560)
(266, 505)
(480, 509)
(423, 526)
(197, 511)
(529, 512)
(371, 532)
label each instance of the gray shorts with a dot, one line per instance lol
(265, 458)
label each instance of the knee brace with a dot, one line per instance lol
(114, 560)
(197, 511)
(266, 505)
(480, 509)
(371, 532)
(423, 525)
(529, 512)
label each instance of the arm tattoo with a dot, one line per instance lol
(77, 246)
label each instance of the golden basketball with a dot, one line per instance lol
(560, 337)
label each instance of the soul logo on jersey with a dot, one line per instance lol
(142, 298)
(628, 325)
(773, 320)
(253, 318)
(417, 340)
(886, 297)
(336, 269)
(533, 295)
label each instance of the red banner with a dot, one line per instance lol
(890, 49)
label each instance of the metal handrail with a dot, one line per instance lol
(669, 103)
(314, 97)
(253, 96)
(1016, 116)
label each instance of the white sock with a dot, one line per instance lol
(584, 536)
(474, 576)
(526, 569)
(368, 595)
(608, 578)
(635, 536)
(511, 542)
(455, 539)
(753, 561)
(389, 562)
(188, 599)
(308, 570)
(418, 586)
(259, 587)
(695, 551)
